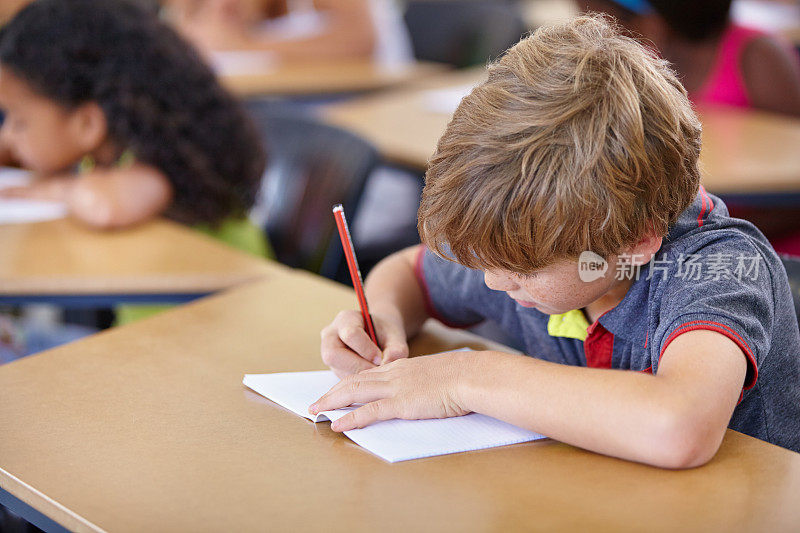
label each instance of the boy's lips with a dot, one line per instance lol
(524, 303)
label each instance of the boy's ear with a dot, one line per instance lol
(644, 250)
(89, 126)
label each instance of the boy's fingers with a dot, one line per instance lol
(349, 391)
(395, 345)
(358, 341)
(344, 361)
(394, 352)
(365, 415)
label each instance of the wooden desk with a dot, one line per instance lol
(750, 152)
(744, 152)
(147, 428)
(159, 259)
(326, 78)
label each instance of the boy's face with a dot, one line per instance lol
(40, 133)
(555, 289)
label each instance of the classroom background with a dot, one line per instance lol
(348, 98)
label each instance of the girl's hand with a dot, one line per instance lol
(47, 189)
(347, 349)
(411, 389)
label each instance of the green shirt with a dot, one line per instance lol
(240, 233)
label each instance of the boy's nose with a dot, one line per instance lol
(498, 282)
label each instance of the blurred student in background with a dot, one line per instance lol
(295, 29)
(123, 122)
(718, 61)
(121, 118)
(8, 8)
(722, 63)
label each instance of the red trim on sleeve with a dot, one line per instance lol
(703, 210)
(423, 284)
(724, 330)
(710, 201)
(707, 204)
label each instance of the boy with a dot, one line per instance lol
(563, 202)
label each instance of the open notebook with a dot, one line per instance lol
(391, 440)
(18, 211)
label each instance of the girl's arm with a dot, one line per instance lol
(117, 198)
(104, 198)
(349, 34)
(675, 419)
(772, 76)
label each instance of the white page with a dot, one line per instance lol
(296, 391)
(391, 440)
(18, 211)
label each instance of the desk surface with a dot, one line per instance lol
(148, 427)
(62, 257)
(743, 151)
(326, 78)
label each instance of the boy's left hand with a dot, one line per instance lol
(412, 389)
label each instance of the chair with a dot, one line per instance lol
(792, 265)
(463, 32)
(310, 167)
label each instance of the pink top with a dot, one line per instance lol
(725, 84)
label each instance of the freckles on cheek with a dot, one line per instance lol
(562, 298)
(563, 295)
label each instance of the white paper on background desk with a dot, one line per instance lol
(445, 101)
(19, 211)
(391, 440)
(243, 62)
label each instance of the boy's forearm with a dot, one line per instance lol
(626, 414)
(392, 289)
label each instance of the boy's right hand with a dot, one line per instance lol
(347, 349)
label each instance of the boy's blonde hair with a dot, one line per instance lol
(580, 139)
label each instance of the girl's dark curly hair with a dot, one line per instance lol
(160, 99)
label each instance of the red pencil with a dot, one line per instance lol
(355, 273)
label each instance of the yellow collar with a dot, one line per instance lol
(572, 324)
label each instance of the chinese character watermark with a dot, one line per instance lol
(688, 267)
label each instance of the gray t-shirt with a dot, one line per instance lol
(713, 272)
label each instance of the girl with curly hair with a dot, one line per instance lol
(122, 121)
(105, 90)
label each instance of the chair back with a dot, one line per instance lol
(792, 265)
(463, 33)
(311, 166)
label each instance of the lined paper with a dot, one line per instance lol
(391, 440)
